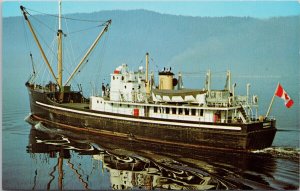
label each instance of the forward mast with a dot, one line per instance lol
(59, 51)
(59, 77)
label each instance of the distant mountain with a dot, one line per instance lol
(245, 45)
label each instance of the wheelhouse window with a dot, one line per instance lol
(167, 110)
(186, 111)
(155, 109)
(173, 110)
(193, 112)
(201, 112)
(179, 111)
(161, 110)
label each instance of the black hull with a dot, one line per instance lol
(250, 137)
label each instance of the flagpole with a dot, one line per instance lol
(272, 100)
(270, 106)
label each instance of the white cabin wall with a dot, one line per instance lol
(116, 84)
(208, 116)
(99, 104)
(128, 86)
(223, 116)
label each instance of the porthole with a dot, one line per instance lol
(113, 77)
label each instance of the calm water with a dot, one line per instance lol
(40, 157)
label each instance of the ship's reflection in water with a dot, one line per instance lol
(128, 164)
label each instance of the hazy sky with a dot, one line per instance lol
(260, 9)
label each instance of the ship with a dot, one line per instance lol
(138, 106)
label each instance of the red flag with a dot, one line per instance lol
(283, 95)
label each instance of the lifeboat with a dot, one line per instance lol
(178, 96)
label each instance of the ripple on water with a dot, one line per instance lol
(282, 152)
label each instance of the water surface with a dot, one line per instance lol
(42, 157)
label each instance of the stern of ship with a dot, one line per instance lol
(260, 135)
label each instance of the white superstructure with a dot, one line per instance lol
(128, 86)
(127, 96)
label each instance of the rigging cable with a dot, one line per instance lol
(38, 21)
(45, 68)
(44, 41)
(72, 57)
(101, 60)
(69, 18)
(87, 59)
(42, 23)
(28, 47)
(86, 29)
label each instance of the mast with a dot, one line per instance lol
(59, 48)
(147, 77)
(229, 80)
(208, 82)
(248, 92)
(38, 42)
(89, 51)
(147, 65)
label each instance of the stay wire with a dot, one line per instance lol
(70, 54)
(28, 47)
(101, 60)
(91, 56)
(83, 52)
(44, 41)
(71, 45)
(86, 29)
(41, 22)
(26, 36)
(69, 18)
